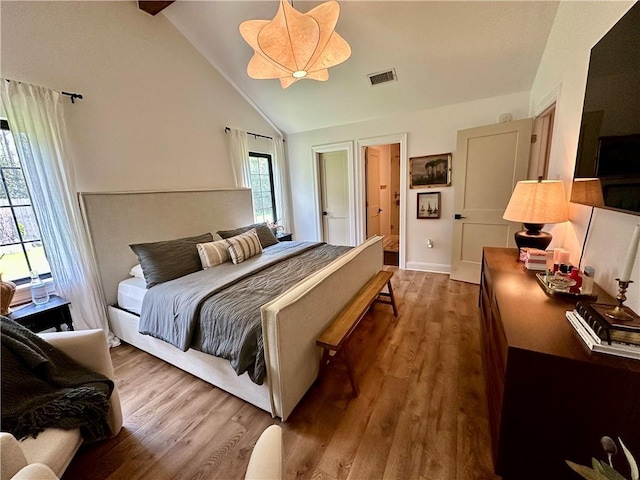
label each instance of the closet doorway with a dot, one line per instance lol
(382, 197)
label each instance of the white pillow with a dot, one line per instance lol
(136, 271)
(213, 253)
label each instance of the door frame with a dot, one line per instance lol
(317, 198)
(360, 193)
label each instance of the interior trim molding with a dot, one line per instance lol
(351, 180)
(429, 267)
(400, 138)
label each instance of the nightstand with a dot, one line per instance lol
(284, 237)
(37, 318)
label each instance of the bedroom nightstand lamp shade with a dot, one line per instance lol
(295, 45)
(535, 203)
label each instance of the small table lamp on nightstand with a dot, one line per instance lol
(535, 203)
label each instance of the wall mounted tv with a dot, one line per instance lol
(609, 144)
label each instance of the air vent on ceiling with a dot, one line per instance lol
(383, 77)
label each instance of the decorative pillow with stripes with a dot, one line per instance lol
(213, 253)
(243, 246)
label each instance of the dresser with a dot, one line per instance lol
(550, 399)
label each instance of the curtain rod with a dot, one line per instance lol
(72, 95)
(227, 129)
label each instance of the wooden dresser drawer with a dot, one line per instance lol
(549, 399)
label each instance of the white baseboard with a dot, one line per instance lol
(429, 267)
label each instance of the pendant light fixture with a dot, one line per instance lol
(295, 45)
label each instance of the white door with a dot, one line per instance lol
(334, 193)
(372, 174)
(489, 161)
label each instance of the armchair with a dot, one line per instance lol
(55, 448)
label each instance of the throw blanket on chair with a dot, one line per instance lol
(44, 388)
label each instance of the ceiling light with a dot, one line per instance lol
(295, 45)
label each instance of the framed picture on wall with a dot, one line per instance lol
(428, 205)
(430, 171)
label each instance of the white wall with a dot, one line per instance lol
(429, 132)
(154, 111)
(563, 71)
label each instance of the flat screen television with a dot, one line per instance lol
(609, 144)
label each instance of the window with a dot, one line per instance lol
(264, 199)
(21, 248)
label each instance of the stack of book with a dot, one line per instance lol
(601, 334)
(535, 259)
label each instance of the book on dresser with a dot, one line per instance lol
(607, 329)
(586, 330)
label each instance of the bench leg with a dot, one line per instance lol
(325, 360)
(389, 299)
(352, 377)
(392, 298)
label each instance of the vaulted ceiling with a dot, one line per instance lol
(443, 52)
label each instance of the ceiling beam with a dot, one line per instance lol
(153, 7)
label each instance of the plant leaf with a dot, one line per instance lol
(610, 473)
(586, 472)
(632, 462)
(596, 465)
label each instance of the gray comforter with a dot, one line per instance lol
(217, 311)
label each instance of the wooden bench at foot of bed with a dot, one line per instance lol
(335, 336)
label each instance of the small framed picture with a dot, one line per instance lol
(430, 171)
(428, 205)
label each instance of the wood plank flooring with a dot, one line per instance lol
(421, 413)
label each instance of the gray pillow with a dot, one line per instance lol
(266, 236)
(170, 259)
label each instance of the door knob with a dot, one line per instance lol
(379, 210)
(457, 216)
(325, 213)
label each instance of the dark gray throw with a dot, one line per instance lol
(44, 388)
(217, 311)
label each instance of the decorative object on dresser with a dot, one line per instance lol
(606, 328)
(534, 259)
(554, 284)
(548, 395)
(536, 203)
(596, 344)
(52, 314)
(619, 312)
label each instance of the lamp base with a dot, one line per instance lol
(533, 237)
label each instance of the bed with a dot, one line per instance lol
(116, 220)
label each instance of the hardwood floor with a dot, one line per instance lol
(421, 413)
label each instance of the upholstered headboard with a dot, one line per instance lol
(116, 220)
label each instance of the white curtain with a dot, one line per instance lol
(239, 150)
(281, 184)
(36, 121)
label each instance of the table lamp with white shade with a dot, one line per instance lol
(536, 203)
